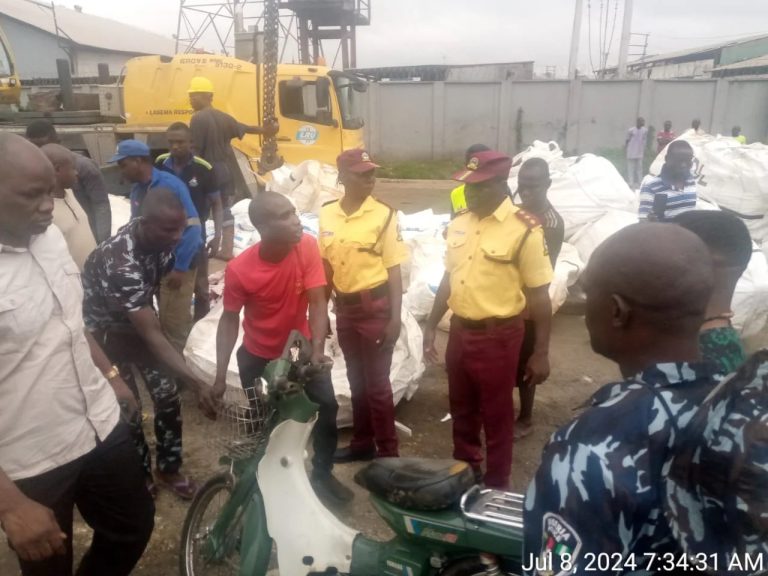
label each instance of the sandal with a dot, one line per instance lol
(522, 432)
(184, 487)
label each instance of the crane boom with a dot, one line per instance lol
(270, 159)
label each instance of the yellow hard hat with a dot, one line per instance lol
(200, 84)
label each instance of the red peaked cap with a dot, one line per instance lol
(355, 160)
(483, 166)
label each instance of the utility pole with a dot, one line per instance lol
(626, 32)
(575, 38)
(237, 9)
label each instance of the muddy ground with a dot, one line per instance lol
(576, 373)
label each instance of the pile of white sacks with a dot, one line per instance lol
(595, 202)
(592, 198)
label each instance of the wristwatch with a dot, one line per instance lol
(112, 374)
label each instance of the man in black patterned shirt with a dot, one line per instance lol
(533, 182)
(120, 279)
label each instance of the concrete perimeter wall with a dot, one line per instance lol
(435, 120)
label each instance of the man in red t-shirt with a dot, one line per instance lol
(277, 281)
(665, 137)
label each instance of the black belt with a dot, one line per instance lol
(380, 291)
(485, 323)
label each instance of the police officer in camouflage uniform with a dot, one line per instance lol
(121, 279)
(596, 502)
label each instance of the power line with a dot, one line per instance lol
(589, 34)
(743, 34)
(605, 33)
(600, 41)
(613, 29)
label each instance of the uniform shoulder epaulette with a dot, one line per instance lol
(162, 158)
(329, 202)
(202, 162)
(527, 218)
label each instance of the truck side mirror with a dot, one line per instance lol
(323, 93)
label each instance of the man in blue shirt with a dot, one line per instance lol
(198, 175)
(135, 162)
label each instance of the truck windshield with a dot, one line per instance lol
(349, 102)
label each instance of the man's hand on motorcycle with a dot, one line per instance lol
(207, 402)
(218, 390)
(320, 359)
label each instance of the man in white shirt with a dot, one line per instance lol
(637, 137)
(61, 440)
(68, 215)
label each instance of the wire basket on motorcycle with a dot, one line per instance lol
(244, 424)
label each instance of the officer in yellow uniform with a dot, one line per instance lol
(362, 252)
(458, 194)
(496, 265)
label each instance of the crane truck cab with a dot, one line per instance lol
(10, 85)
(318, 109)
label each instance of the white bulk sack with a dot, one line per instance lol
(732, 175)
(407, 361)
(427, 269)
(592, 235)
(750, 299)
(568, 268)
(584, 188)
(121, 211)
(309, 184)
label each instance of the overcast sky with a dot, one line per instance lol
(475, 31)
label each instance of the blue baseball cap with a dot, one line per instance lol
(128, 149)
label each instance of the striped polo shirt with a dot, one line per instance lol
(679, 200)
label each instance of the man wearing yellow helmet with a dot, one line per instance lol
(212, 133)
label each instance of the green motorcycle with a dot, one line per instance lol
(444, 524)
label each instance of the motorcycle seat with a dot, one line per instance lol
(417, 483)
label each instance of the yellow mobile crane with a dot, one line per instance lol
(10, 85)
(317, 108)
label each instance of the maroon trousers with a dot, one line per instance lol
(358, 327)
(482, 368)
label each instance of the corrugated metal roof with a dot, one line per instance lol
(756, 62)
(88, 30)
(427, 72)
(694, 51)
